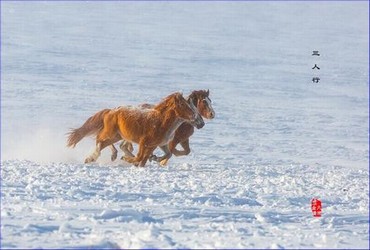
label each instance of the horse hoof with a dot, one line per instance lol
(153, 158)
(114, 157)
(164, 162)
(127, 159)
(88, 160)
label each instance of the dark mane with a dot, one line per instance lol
(167, 102)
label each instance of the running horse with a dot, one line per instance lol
(149, 128)
(200, 99)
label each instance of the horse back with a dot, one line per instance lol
(135, 123)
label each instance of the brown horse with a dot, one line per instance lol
(147, 127)
(200, 99)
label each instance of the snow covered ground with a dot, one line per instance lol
(278, 140)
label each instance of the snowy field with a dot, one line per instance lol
(277, 141)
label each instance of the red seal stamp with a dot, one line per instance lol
(316, 207)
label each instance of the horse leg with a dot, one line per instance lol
(142, 156)
(94, 156)
(106, 137)
(185, 145)
(127, 149)
(113, 148)
(100, 145)
(130, 158)
(114, 152)
(171, 147)
(125, 145)
(147, 153)
(163, 159)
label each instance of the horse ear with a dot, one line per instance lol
(207, 92)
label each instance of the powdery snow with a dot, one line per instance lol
(277, 140)
(182, 206)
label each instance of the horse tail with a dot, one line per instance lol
(90, 127)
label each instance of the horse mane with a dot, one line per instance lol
(167, 102)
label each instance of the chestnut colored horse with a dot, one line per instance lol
(200, 99)
(147, 127)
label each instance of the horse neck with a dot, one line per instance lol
(193, 98)
(171, 121)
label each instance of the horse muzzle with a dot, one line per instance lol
(211, 115)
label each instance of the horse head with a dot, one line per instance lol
(200, 98)
(187, 111)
